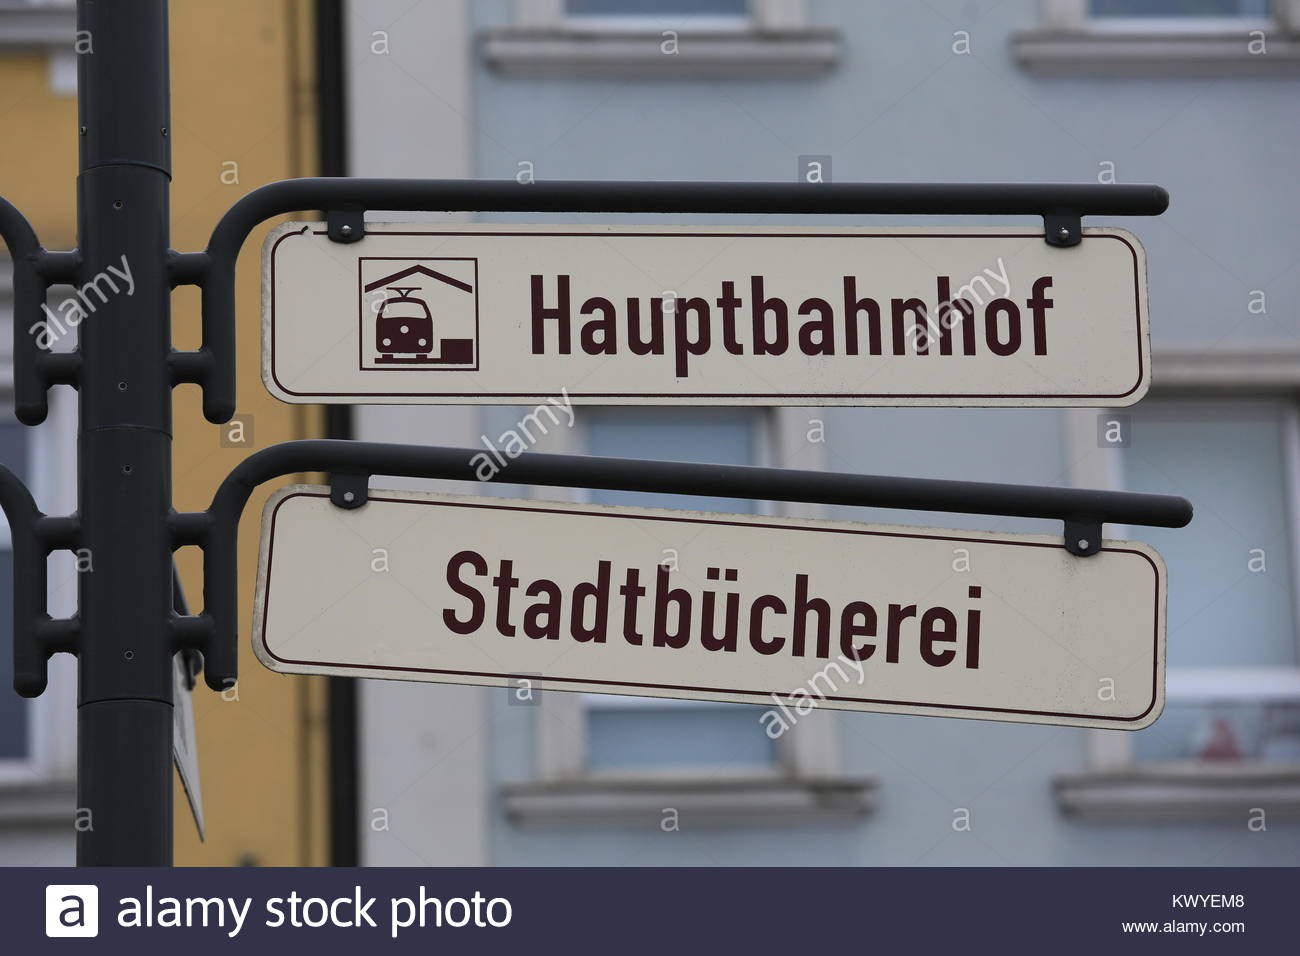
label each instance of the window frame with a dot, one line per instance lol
(1070, 41)
(1115, 786)
(565, 791)
(774, 40)
(48, 26)
(1075, 15)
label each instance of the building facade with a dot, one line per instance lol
(244, 108)
(1196, 96)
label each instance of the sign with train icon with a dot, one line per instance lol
(418, 313)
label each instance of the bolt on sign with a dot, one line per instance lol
(782, 612)
(639, 315)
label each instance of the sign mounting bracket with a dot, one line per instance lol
(349, 490)
(214, 631)
(1063, 229)
(1082, 536)
(345, 225)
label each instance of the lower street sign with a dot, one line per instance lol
(423, 313)
(786, 613)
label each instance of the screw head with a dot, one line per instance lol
(349, 496)
(345, 230)
(1063, 232)
(1083, 544)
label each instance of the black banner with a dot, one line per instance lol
(659, 911)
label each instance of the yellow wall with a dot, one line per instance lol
(242, 93)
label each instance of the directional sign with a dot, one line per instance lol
(780, 612)
(425, 314)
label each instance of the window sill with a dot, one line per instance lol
(1181, 792)
(38, 804)
(37, 28)
(760, 55)
(732, 801)
(1076, 52)
(1269, 366)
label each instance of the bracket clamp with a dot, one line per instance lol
(1082, 536)
(349, 490)
(345, 225)
(1062, 229)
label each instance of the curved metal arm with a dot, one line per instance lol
(213, 365)
(36, 368)
(350, 463)
(36, 635)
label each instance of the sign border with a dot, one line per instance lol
(791, 399)
(269, 659)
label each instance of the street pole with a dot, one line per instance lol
(124, 720)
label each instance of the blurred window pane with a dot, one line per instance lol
(652, 8)
(1179, 8)
(1231, 577)
(14, 713)
(625, 732)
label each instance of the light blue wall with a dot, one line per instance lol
(902, 106)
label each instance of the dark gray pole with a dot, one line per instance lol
(124, 771)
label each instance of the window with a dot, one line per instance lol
(1154, 37)
(1179, 8)
(661, 39)
(47, 25)
(15, 718)
(666, 13)
(611, 760)
(639, 732)
(1234, 660)
(37, 737)
(1229, 737)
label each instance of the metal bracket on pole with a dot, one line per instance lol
(36, 635)
(350, 462)
(36, 367)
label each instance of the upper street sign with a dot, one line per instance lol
(423, 313)
(781, 612)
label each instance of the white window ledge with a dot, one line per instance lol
(1074, 52)
(713, 802)
(39, 804)
(1274, 365)
(1179, 793)
(37, 28)
(741, 54)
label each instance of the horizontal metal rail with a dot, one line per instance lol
(352, 463)
(213, 365)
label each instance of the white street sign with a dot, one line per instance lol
(423, 313)
(781, 612)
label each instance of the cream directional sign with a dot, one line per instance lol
(423, 314)
(780, 612)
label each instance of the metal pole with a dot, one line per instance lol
(124, 773)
